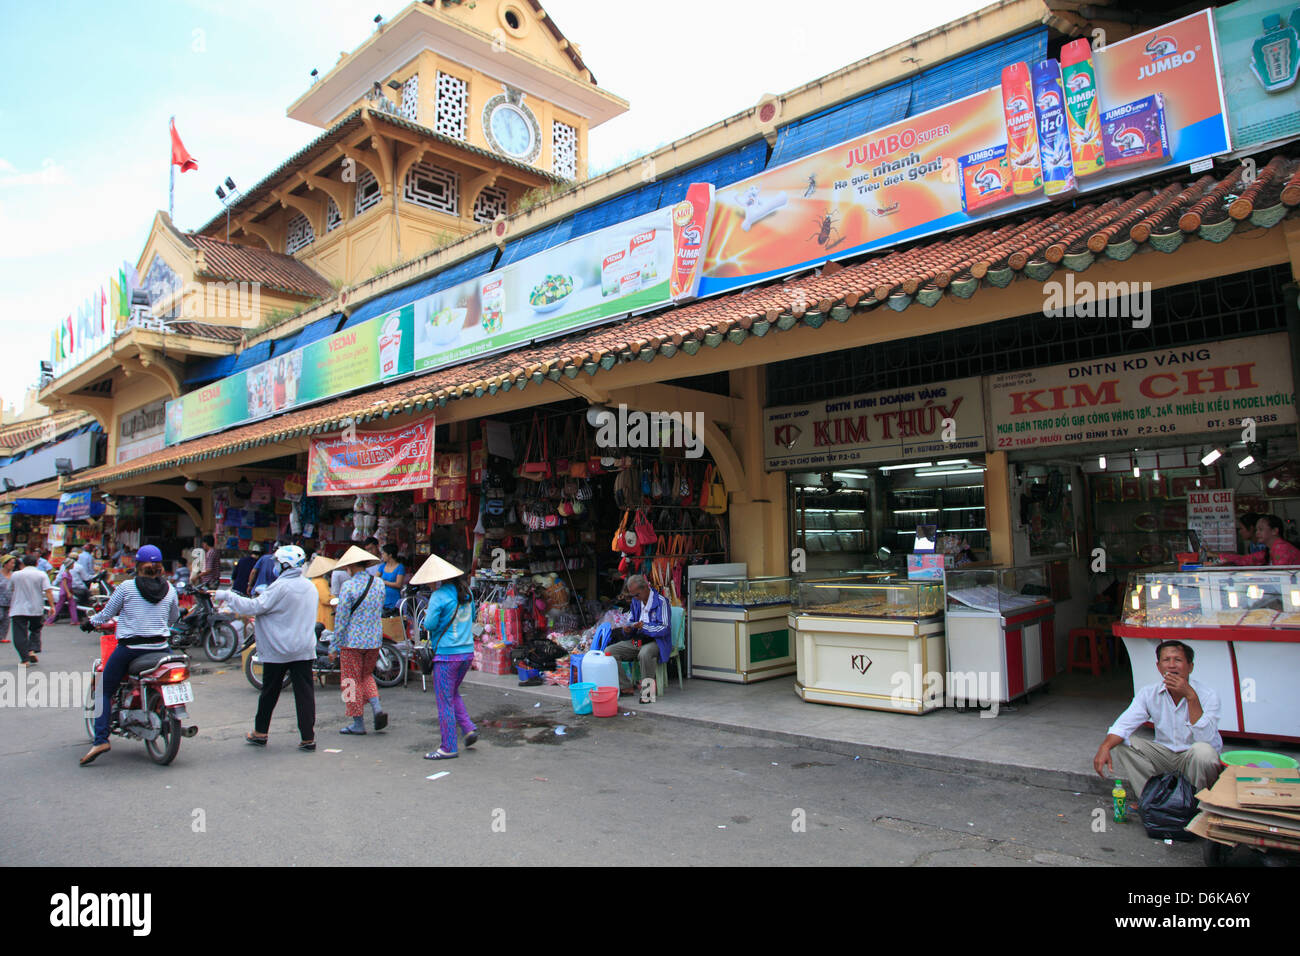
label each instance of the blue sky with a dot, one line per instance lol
(87, 89)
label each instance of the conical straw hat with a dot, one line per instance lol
(356, 555)
(320, 565)
(434, 570)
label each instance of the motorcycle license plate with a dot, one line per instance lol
(180, 693)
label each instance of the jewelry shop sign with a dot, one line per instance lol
(1178, 391)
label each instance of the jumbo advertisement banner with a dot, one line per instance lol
(908, 423)
(1095, 118)
(1259, 52)
(366, 354)
(397, 460)
(1193, 390)
(637, 265)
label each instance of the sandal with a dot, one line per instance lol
(255, 741)
(440, 754)
(471, 738)
(351, 731)
(381, 720)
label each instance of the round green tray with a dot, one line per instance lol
(1257, 758)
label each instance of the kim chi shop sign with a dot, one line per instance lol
(1178, 391)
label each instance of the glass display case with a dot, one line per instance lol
(869, 595)
(1000, 622)
(741, 592)
(1003, 591)
(1243, 626)
(738, 629)
(1213, 597)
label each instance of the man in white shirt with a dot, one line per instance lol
(1185, 714)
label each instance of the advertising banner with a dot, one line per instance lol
(397, 460)
(6, 519)
(366, 354)
(908, 423)
(1147, 103)
(637, 265)
(73, 506)
(1197, 389)
(1213, 516)
(1259, 52)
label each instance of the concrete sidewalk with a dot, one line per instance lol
(1048, 740)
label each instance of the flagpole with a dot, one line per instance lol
(171, 176)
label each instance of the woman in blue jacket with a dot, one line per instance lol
(450, 623)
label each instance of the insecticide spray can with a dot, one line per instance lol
(1053, 137)
(1119, 803)
(1022, 135)
(1082, 111)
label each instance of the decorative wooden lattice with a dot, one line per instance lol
(434, 188)
(491, 202)
(368, 192)
(298, 233)
(453, 106)
(410, 108)
(333, 218)
(564, 150)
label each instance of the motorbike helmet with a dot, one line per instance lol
(148, 553)
(291, 556)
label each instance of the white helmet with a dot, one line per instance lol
(291, 556)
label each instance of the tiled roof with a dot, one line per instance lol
(1032, 245)
(203, 330)
(19, 435)
(274, 270)
(340, 131)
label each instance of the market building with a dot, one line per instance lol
(943, 331)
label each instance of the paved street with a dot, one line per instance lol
(629, 789)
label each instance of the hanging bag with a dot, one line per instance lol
(717, 493)
(536, 467)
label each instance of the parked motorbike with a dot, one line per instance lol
(92, 598)
(150, 702)
(390, 669)
(204, 626)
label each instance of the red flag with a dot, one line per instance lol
(180, 155)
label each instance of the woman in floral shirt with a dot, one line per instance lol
(358, 635)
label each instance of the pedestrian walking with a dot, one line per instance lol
(358, 636)
(27, 609)
(7, 567)
(286, 643)
(63, 589)
(450, 623)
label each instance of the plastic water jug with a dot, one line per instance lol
(600, 669)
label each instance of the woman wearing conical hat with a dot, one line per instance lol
(450, 623)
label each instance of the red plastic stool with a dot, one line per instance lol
(1097, 655)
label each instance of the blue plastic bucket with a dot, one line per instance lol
(581, 696)
(526, 673)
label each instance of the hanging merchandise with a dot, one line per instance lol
(536, 465)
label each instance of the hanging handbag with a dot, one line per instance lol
(536, 468)
(717, 493)
(645, 532)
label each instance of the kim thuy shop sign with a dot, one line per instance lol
(909, 423)
(354, 462)
(1180, 391)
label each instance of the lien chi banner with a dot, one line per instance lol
(396, 460)
(907, 423)
(1259, 49)
(366, 354)
(73, 506)
(1182, 391)
(639, 264)
(1055, 128)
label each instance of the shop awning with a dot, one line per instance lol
(993, 254)
(36, 506)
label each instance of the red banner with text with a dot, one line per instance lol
(397, 460)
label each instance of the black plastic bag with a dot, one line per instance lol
(1168, 805)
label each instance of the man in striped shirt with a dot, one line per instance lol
(145, 608)
(211, 576)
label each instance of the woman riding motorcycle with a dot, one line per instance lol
(145, 608)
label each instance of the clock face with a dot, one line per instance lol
(511, 130)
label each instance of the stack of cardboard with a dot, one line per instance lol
(1255, 806)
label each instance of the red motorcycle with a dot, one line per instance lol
(150, 702)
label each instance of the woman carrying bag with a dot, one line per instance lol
(358, 635)
(318, 572)
(450, 623)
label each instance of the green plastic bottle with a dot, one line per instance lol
(1119, 802)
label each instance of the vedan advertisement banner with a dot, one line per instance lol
(366, 354)
(931, 421)
(1085, 122)
(1197, 389)
(1259, 51)
(637, 265)
(400, 459)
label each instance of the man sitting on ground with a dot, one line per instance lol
(1185, 713)
(648, 639)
